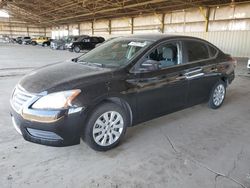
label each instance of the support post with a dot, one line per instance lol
(163, 23)
(109, 27)
(132, 25)
(28, 33)
(205, 13)
(92, 28)
(79, 30)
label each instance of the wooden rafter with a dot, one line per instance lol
(56, 12)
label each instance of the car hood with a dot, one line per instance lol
(63, 76)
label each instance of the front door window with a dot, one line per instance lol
(164, 56)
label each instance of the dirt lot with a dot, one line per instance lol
(197, 147)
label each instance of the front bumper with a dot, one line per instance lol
(65, 130)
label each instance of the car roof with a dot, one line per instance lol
(157, 37)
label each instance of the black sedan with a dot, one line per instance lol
(85, 43)
(119, 84)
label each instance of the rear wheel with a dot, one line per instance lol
(77, 49)
(217, 95)
(105, 127)
(45, 44)
(33, 43)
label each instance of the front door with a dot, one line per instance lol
(162, 86)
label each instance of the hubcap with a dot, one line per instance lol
(77, 49)
(219, 94)
(108, 128)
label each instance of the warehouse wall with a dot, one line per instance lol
(15, 28)
(228, 26)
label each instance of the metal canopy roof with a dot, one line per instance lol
(55, 12)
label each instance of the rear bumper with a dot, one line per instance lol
(64, 131)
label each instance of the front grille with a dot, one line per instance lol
(20, 97)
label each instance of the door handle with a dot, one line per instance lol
(194, 73)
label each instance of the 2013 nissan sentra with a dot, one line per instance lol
(121, 83)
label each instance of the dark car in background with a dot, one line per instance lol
(23, 40)
(72, 39)
(65, 42)
(26, 40)
(85, 43)
(119, 84)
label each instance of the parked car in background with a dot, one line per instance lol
(44, 41)
(85, 43)
(63, 43)
(26, 40)
(58, 44)
(248, 64)
(18, 40)
(4, 39)
(105, 41)
(72, 39)
(119, 84)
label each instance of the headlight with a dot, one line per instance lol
(58, 100)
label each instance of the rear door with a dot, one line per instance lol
(201, 74)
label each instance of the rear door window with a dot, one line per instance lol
(196, 51)
(94, 40)
(213, 51)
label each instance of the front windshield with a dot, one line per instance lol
(115, 53)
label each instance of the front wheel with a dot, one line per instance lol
(217, 95)
(105, 127)
(77, 49)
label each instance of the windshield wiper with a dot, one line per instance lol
(91, 64)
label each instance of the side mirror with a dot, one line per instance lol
(150, 63)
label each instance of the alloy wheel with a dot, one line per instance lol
(219, 95)
(108, 128)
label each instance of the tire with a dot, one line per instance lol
(61, 48)
(33, 43)
(45, 44)
(97, 132)
(217, 95)
(77, 49)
